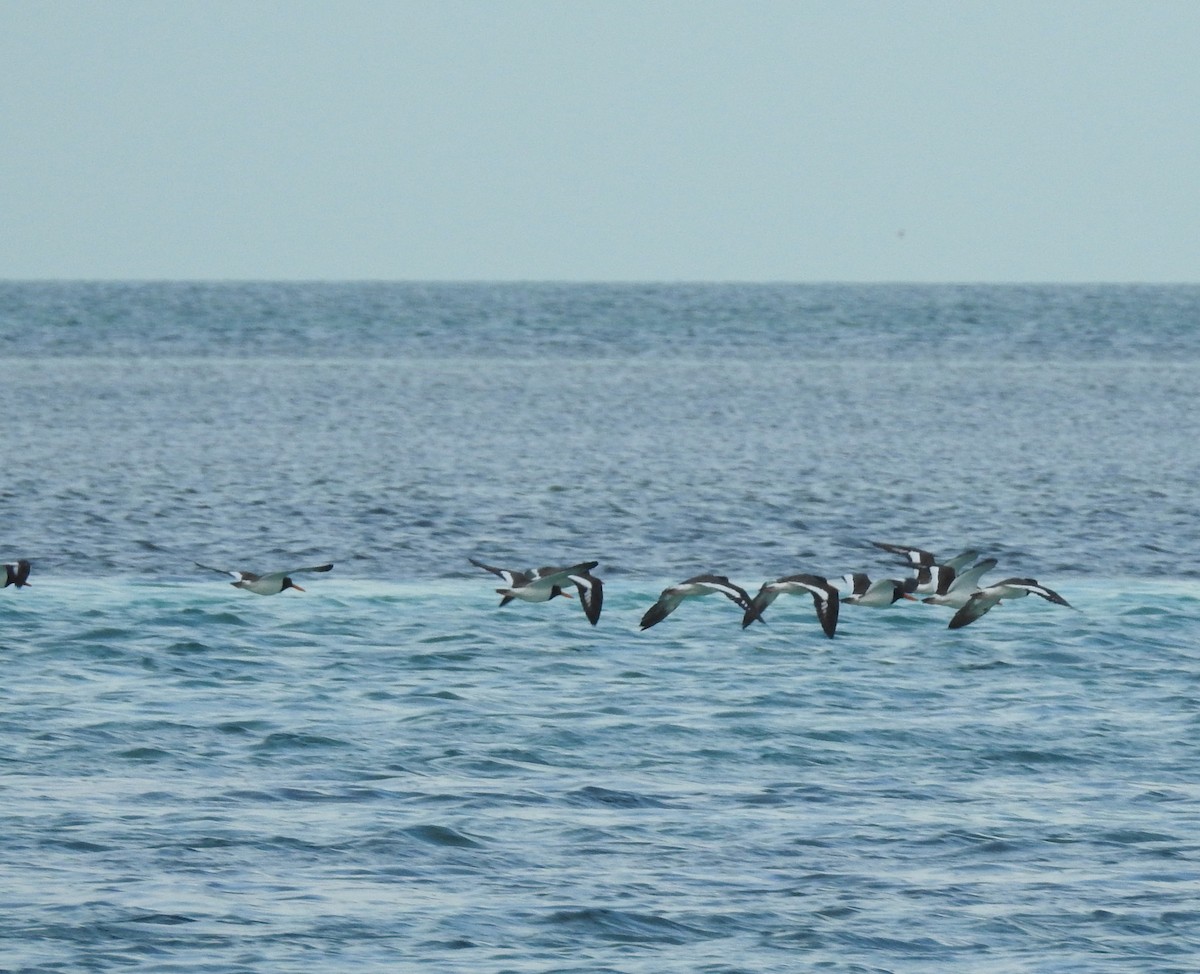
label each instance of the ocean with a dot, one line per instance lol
(390, 772)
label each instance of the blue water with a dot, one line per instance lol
(388, 772)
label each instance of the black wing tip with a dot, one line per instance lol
(752, 614)
(828, 618)
(487, 568)
(917, 556)
(827, 614)
(653, 616)
(18, 578)
(962, 618)
(592, 601)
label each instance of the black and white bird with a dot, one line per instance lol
(824, 596)
(271, 584)
(16, 574)
(1011, 588)
(878, 594)
(961, 586)
(544, 584)
(932, 574)
(693, 588)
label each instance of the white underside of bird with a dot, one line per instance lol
(693, 588)
(963, 586)
(824, 596)
(544, 584)
(985, 599)
(271, 584)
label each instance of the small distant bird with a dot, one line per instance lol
(271, 584)
(693, 588)
(1011, 588)
(17, 574)
(824, 596)
(544, 584)
(879, 594)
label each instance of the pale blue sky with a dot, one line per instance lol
(751, 140)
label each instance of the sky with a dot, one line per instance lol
(601, 140)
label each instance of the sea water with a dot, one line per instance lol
(389, 772)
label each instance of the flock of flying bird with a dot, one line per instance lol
(954, 582)
(951, 583)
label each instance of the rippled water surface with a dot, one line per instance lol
(389, 772)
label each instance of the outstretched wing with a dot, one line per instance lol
(591, 594)
(659, 610)
(719, 583)
(825, 600)
(280, 576)
(961, 560)
(236, 576)
(767, 594)
(914, 556)
(827, 605)
(977, 605)
(920, 558)
(510, 577)
(17, 574)
(668, 602)
(552, 575)
(970, 577)
(1048, 594)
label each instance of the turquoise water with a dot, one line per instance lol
(389, 772)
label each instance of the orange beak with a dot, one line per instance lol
(297, 587)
